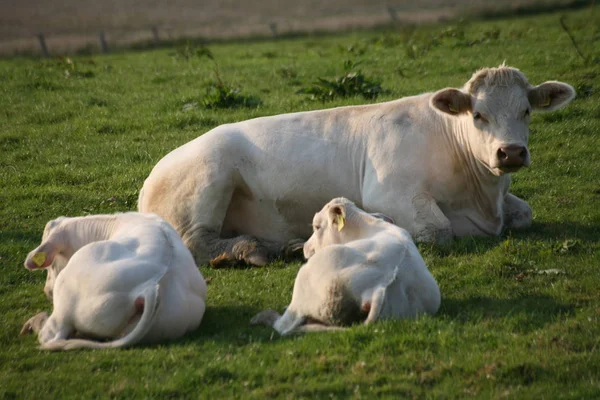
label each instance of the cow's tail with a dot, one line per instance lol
(140, 199)
(378, 298)
(151, 301)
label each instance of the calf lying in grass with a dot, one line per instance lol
(115, 280)
(360, 269)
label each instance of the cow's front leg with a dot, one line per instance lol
(430, 223)
(517, 213)
(246, 249)
(34, 324)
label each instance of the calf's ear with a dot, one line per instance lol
(337, 216)
(42, 257)
(451, 101)
(550, 95)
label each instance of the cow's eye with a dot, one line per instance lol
(526, 113)
(316, 227)
(478, 117)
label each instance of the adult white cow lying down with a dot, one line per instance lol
(125, 278)
(360, 269)
(439, 164)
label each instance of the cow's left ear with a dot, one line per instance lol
(451, 101)
(42, 257)
(337, 216)
(550, 95)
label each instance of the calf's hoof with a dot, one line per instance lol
(266, 317)
(34, 324)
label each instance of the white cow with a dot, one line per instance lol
(126, 278)
(439, 164)
(359, 268)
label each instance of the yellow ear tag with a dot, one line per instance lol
(452, 109)
(39, 258)
(341, 221)
(547, 103)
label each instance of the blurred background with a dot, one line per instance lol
(86, 26)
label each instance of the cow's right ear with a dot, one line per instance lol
(42, 257)
(451, 101)
(551, 95)
(337, 216)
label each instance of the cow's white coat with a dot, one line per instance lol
(431, 162)
(126, 278)
(360, 269)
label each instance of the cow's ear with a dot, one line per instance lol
(550, 95)
(337, 216)
(451, 101)
(42, 257)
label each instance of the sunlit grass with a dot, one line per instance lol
(79, 136)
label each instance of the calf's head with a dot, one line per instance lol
(339, 222)
(50, 254)
(494, 109)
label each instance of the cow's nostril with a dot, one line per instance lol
(523, 153)
(502, 155)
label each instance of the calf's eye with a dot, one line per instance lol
(526, 113)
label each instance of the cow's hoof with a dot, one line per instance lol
(258, 258)
(266, 317)
(224, 261)
(294, 249)
(251, 251)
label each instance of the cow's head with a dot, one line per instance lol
(498, 103)
(339, 222)
(50, 254)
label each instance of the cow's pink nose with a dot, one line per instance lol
(512, 156)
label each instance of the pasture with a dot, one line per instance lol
(520, 314)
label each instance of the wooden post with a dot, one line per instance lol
(43, 45)
(103, 44)
(155, 35)
(273, 27)
(393, 14)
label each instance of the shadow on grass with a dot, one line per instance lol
(524, 314)
(558, 230)
(552, 231)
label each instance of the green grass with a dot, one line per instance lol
(82, 142)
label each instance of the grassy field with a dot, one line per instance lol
(78, 136)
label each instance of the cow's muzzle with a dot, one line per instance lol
(511, 158)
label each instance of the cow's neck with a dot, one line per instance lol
(485, 189)
(84, 230)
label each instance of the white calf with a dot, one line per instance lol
(125, 278)
(360, 268)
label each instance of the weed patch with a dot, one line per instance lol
(352, 83)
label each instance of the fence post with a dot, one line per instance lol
(155, 35)
(43, 45)
(393, 14)
(103, 44)
(273, 27)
